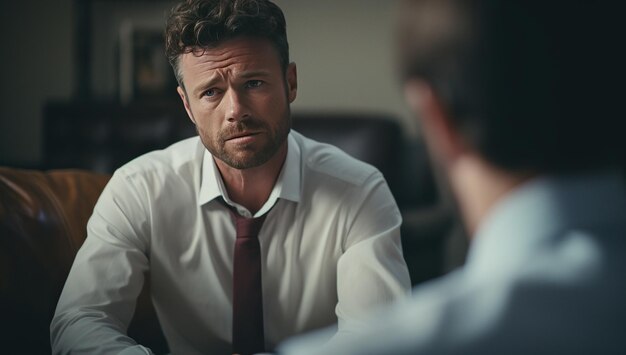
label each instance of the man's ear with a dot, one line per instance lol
(440, 133)
(182, 94)
(292, 82)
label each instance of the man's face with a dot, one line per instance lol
(238, 97)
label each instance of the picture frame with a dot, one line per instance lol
(113, 34)
(144, 72)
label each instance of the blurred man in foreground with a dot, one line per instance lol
(518, 102)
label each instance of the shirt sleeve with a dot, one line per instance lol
(99, 296)
(371, 271)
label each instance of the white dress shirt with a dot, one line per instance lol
(330, 250)
(545, 275)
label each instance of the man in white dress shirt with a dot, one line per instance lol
(330, 244)
(519, 103)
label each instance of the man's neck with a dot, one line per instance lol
(252, 187)
(478, 186)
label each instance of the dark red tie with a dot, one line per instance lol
(248, 334)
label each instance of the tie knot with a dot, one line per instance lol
(248, 227)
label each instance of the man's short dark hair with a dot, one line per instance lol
(202, 24)
(531, 85)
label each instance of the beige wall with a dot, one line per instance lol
(343, 50)
(36, 64)
(344, 53)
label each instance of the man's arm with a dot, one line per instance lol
(372, 271)
(98, 300)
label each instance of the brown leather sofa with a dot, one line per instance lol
(43, 218)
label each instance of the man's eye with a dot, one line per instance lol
(254, 83)
(210, 92)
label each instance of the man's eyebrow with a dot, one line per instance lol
(254, 73)
(206, 85)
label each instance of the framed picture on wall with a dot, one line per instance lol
(144, 72)
(111, 35)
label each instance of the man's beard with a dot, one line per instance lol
(276, 136)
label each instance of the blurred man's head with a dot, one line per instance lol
(529, 86)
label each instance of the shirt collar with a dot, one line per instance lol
(287, 185)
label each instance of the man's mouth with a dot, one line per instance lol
(242, 136)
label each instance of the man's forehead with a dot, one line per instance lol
(208, 61)
(245, 51)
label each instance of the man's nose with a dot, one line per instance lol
(236, 109)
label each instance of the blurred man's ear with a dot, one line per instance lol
(292, 82)
(438, 131)
(181, 93)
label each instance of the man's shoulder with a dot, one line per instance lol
(181, 159)
(328, 161)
